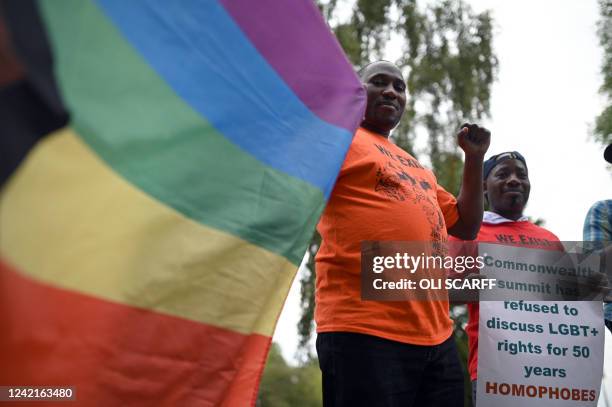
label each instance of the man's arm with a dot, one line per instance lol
(474, 141)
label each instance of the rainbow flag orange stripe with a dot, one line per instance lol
(147, 244)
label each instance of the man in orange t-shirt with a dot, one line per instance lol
(375, 353)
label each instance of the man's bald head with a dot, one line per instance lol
(374, 66)
(386, 91)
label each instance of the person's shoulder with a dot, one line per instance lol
(364, 138)
(362, 134)
(598, 212)
(605, 204)
(367, 140)
(544, 232)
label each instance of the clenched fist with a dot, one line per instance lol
(474, 140)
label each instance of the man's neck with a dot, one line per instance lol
(496, 218)
(376, 130)
(510, 215)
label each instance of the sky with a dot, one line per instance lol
(543, 105)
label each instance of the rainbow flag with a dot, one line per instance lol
(164, 169)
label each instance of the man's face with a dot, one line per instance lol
(507, 188)
(386, 92)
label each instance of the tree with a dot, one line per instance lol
(307, 301)
(460, 319)
(603, 123)
(286, 386)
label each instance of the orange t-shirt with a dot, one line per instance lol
(382, 193)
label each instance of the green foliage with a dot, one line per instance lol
(603, 123)
(307, 301)
(449, 169)
(286, 386)
(365, 34)
(451, 66)
(460, 319)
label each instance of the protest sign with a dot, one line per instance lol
(538, 353)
